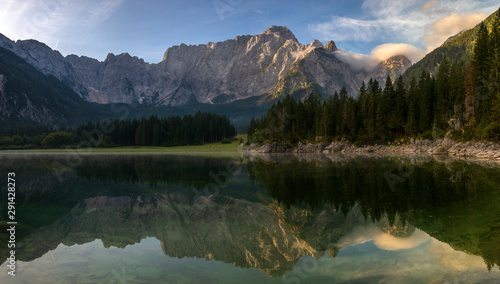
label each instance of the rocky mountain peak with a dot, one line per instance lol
(281, 31)
(393, 66)
(316, 44)
(398, 61)
(331, 46)
(123, 57)
(6, 42)
(109, 57)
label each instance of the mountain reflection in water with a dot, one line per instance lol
(289, 217)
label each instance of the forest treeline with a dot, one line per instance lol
(464, 99)
(195, 129)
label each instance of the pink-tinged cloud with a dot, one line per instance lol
(381, 239)
(378, 54)
(388, 50)
(437, 33)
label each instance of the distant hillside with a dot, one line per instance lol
(459, 47)
(29, 97)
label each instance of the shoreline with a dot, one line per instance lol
(442, 147)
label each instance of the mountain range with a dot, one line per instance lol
(238, 77)
(213, 73)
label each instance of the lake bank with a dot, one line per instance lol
(233, 147)
(446, 146)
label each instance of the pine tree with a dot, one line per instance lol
(140, 134)
(470, 106)
(251, 130)
(345, 111)
(400, 113)
(425, 102)
(494, 80)
(373, 105)
(335, 114)
(412, 119)
(457, 90)
(386, 110)
(442, 93)
(480, 74)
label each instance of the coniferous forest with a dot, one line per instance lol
(463, 99)
(195, 129)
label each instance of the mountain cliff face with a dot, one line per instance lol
(214, 73)
(393, 67)
(27, 96)
(46, 60)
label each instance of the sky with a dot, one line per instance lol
(365, 30)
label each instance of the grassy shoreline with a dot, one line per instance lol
(218, 147)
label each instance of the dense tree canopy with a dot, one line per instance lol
(171, 131)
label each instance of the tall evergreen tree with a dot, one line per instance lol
(442, 94)
(412, 118)
(470, 105)
(400, 113)
(494, 79)
(457, 90)
(385, 110)
(480, 74)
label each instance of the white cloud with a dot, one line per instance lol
(379, 53)
(49, 20)
(388, 8)
(419, 23)
(442, 29)
(342, 28)
(389, 242)
(101, 11)
(429, 5)
(387, 19)
(357, 61)
(446, 256)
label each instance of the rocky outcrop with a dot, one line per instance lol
(331, 46)
(445, 146)
(393, 67)
(322, 70)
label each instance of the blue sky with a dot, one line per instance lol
(147, 28)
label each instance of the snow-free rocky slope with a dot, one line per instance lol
(221, 72)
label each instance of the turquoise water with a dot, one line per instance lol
(266, 219)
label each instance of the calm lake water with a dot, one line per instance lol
(258, 219)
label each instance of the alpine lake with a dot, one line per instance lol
(239, 218)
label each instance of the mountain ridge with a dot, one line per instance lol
(27, 96)
(212, 73)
